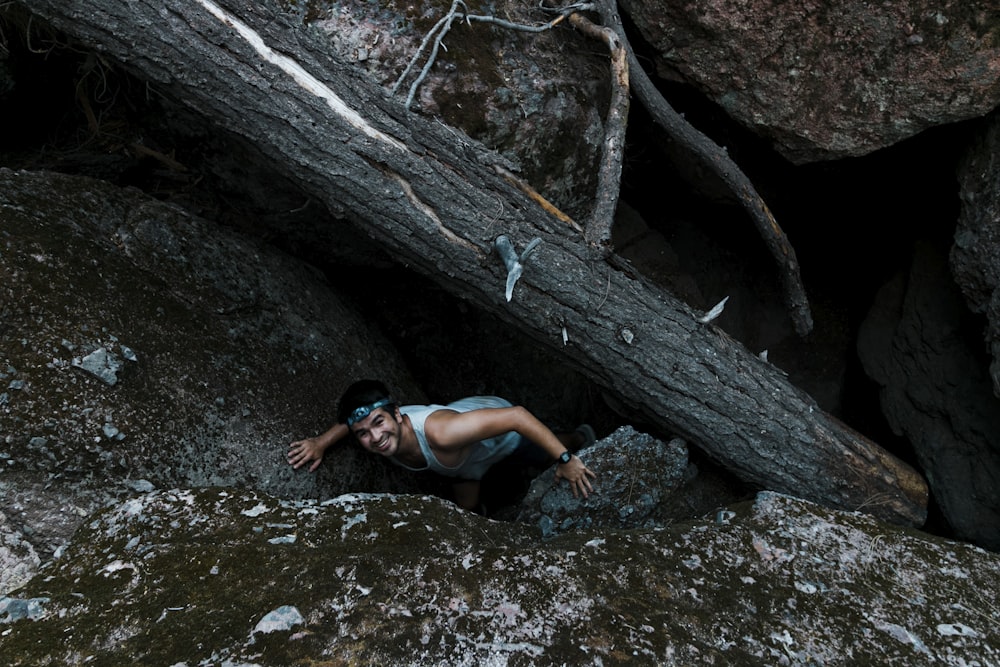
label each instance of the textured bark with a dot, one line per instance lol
(433, 198)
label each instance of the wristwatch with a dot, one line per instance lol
(565, 457)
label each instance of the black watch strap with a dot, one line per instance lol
(565, 457)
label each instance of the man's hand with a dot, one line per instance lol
(578, 476)
(302, 452)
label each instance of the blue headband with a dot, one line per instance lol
(361, 412)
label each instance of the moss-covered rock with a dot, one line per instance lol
(217, 576)
(142, 347)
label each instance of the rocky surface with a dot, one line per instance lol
(975, 256)
(636, 475)
(827, 80)
(938, 364)
(141, 347)
(936, 391)
(219, 576)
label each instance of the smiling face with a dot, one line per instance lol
(379, 432)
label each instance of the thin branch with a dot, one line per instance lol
(609, 176)
(441, 28)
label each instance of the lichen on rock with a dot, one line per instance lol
(187, 576)
(635, 473)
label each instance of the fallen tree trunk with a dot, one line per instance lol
(434, 199)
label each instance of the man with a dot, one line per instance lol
(461, 440)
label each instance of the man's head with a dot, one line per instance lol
(361, 397)
(371, 415)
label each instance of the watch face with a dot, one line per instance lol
(565, 457)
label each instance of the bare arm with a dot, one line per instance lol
(312, 449)
(449, 430)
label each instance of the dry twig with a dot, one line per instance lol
(443, 26)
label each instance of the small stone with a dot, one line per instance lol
(141, 485)
(101, 364)
(16, 609)
(283, 618)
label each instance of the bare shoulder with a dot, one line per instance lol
(450, 429)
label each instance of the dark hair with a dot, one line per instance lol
(363, 392)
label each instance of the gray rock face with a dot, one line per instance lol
(936, 392)
(216, 576)
(975, 257)
(635, 474)
(141, 347)
(831, 79)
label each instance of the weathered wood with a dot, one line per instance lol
(431, 196)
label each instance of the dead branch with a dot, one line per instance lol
(723, 166)
(609, 177)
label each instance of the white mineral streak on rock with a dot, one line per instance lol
(303, 78)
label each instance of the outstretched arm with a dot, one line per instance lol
(450, 430)
(312, 449)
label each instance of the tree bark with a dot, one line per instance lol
(433, 198)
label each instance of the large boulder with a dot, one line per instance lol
(224, 577)
(826, 80)
(142, 347)
(919, 345)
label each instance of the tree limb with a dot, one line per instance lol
(609, 176)
(723, 166)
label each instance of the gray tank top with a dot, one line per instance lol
(482, 454)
